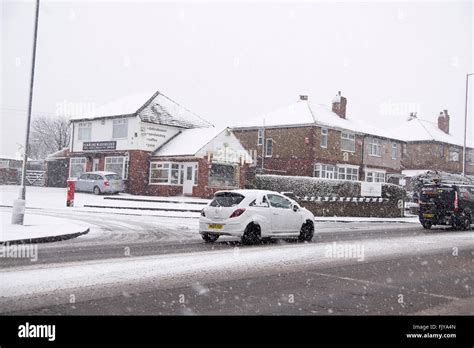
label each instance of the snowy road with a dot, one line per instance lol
(159, 265)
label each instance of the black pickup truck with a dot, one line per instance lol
(446, 204)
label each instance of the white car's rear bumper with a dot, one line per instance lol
(236, 228)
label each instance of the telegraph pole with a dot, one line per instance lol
(18, 213)
(465, 126)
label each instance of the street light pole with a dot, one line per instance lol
(19, 204)
(465, 126)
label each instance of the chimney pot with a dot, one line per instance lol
(303, 97)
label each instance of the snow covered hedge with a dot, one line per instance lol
(309, 186)
(301, 186)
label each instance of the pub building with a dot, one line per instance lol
(158, 147)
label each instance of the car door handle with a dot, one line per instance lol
(275, 213)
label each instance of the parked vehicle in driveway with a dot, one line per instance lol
(253, 215)
(100, 182)
(446, 204)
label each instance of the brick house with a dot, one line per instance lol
(310, 139)
(430, 146)
(129, 137)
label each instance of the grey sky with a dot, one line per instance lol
(233, 61)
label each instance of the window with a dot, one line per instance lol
(325, 171)
(394, 151)
(375, 176)
(167, 173)
(348, 173)
(269, 148)
(324, 137)
(226, 199)
(159, 173)
(117, 164)
(347, 142)
(4, 163)
(260, 137)
(277, 201)
(470, 157)
(453, 155)
(84, 131)
(375, 147)
(223, 175)
(120, 128)
(77, 166)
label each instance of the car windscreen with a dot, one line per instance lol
(113, 177)
(226, 199)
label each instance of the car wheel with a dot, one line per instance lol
(306, 232)
(251, 234)
(209, 238)
(96, 190)
(426, 225)
(467, 223)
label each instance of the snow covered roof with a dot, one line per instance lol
(63, 153)
(13, 158)
(188, 142)
(416, 129)
(152, 107)
(308, 113)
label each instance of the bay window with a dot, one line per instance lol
(375, 176)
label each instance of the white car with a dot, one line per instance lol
(254, 214)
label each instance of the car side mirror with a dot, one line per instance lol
(296, 208)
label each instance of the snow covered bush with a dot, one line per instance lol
(344, 196)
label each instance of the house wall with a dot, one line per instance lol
(141, 135)
(385, 161)
(202, 189)
(433, 155)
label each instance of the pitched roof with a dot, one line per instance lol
(308, 113)
(151, 107)
(188, 142)
(416, 129)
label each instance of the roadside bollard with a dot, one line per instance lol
(18, 211)
(71, 187)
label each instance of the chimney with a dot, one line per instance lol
(412, 116)
(339, 105)
(303, 97)
(443, 121)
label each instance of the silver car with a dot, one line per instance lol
(100, 182)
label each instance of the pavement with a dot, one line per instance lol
(39, 229)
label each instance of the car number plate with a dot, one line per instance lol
(216, 226)
(428, 215)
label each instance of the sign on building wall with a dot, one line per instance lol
(371, 189)
(99, 145)
(153, 136)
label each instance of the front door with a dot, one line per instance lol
(95, 165)
(188, 181)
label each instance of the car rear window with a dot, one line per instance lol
(226, 199)
(113, 177)
(437, 192)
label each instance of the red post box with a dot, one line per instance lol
(71, 187)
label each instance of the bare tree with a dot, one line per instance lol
(48, 135)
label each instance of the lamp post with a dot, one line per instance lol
(465, 125)
(18, 212)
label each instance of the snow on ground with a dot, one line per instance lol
(37, 226)
(411, 219)
(56, 199)
(232, 263)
